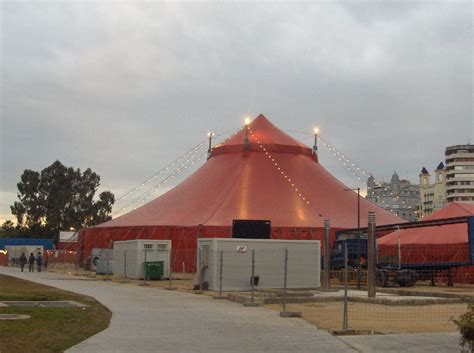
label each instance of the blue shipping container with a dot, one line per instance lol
(48, 244)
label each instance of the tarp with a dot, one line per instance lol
(277, 178)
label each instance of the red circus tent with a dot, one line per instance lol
(436, 244)
(275, 178)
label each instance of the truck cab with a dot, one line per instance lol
(356, 252)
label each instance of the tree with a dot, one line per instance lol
(8, 229)
(59, 198)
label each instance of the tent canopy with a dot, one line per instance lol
(278, 179)
(436, 235)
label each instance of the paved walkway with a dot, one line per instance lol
(156, 320)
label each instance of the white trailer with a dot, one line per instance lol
(303, 265)
(130, 256)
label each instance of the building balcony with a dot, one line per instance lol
(461, 150)
(459, 176)
(455, 192)
(458, 163)
(468, 188)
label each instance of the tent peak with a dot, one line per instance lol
(263, 135)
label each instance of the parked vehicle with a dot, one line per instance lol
(393, 270)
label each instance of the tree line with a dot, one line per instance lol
(55, 199)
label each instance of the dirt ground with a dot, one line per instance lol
(380, 318)
(465, 289)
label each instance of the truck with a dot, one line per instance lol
(390, 270)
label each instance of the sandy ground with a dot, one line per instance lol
(465, 289)
(380, 318)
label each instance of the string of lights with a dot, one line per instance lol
(344, 158)
(142, 197)
(160, 172)
(282, 172)
(220, 143)
(358, 173)
(353, 168)
(181, 169)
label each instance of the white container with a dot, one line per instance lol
(304, 263)
(129, 257)
(102, 261)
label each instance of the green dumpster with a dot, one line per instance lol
(154, 269)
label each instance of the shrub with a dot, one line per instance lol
(465, 323)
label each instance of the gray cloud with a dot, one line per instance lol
(125, 87)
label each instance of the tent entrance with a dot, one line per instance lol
(251, 229)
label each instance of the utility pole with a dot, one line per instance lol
(371, 266)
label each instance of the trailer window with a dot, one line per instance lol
(161, 247)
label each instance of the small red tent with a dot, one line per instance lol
(436, 244)
(272, 177)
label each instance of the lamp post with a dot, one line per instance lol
(246, 139)
(210, 135)
(315, 146)
(358, 207)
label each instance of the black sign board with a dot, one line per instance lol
(251, 229)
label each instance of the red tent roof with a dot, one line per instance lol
(268, 136)
(451, 210)
(278, 180)
(448, 234)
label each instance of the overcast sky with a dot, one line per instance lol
(125, 87)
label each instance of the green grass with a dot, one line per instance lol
(48, 329)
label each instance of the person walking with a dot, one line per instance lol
(39, 261)
(23, 261)
(46, 259)
(31, 263)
